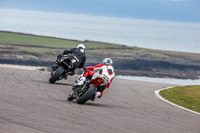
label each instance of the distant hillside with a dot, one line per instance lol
(27, 49)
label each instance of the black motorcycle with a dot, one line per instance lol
(61, 68)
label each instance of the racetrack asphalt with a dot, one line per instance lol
(30, 104)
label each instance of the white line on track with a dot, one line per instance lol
(157, 93)
(22, 67)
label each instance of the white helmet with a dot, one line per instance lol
(81, 46)
(107, 61)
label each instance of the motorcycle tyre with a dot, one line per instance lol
(86, 96)
(56, 75)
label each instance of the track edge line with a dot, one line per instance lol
(157, 93)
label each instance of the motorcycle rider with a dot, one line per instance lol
(105, 68)
(77, 55)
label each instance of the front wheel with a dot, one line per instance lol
(86, 96)
(56, 75)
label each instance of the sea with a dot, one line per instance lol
(181, 82)
(153, 34)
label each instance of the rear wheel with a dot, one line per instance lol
(56, 75)
(87, 95)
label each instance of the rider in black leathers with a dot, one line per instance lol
(77, 55)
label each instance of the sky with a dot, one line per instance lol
(170, 10)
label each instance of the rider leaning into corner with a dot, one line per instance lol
(77, 55)
(105, 68)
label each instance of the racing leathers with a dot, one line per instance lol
(78, 58)
(108, 71)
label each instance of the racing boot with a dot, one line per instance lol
(81, 81)
(70, 97)
(71, 73)
(98, 94)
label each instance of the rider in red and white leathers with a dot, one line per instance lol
(106, 69)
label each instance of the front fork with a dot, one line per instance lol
(76, 90)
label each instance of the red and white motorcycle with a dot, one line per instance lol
(87, 91)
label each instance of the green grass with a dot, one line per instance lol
(24, 39)
(19, 43)
(48, 47)
(41, 48)
(186, 96)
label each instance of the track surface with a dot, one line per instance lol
(29, 104)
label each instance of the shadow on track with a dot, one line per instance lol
(89, 104)
(61, 84)
(64, 84)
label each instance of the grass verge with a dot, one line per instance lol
(186, 96)
(28, 39)
(16, 47)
